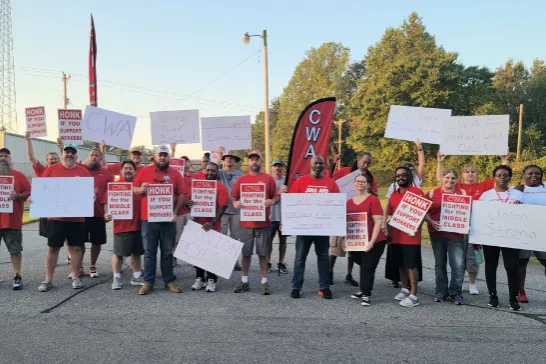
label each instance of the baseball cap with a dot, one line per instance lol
(134, 150)
(277, 161)
(5, 150)
(255, 153)
(70, 146)
(162, 149)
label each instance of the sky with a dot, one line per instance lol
(179, 55)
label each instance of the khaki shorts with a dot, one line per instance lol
(336, 246)
(258, 236)
(181, 221)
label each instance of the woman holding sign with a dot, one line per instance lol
(445, 243)
(374, 240)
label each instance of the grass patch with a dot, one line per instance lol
(26, 216)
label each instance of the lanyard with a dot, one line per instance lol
(507, 196)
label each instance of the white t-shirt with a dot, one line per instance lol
(509, 196)
(535, 195)
(394, 186)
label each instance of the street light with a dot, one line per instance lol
(246, 40)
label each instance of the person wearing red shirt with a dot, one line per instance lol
(11, 224)
(71, 229)
(115, 168)
(314, 182)
(446, 244)
(127, 234)
(363, 162)
(255, 232)
(222, 198)
(159, 234)
(406, 248)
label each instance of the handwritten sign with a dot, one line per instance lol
(314, 214)
(410, 123)
(70, 126)
(346, 184)
(475, 135)
(253, 202)
(178, 164)
(36, 121)
(203, 194)
(160, 202)
(180, 127)
(455, 213)
(208, 250)
(113, 128)
(62, 197)
(410, 213)
(6, 186)
(231, 132)
(120, 200)
(357, 232)
(508, 225)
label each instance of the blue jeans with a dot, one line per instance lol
(303, 245)
(455, 249)
(158, 235)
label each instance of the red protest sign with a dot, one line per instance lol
(70, 129)
(36, 121)
(410, 213)
(203, 194)
(455, 213)
(253, 202)
(357, 232)
(120, 200)
(160, 202)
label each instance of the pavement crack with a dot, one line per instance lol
(80, 291)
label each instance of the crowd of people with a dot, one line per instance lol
(139, 237)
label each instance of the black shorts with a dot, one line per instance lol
(274, 228)
(96, 230)
(128, 243)
(42, 230)
(59, 231)
(406, 256)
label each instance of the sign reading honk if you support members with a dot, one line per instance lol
(160, 203)
(410, 213)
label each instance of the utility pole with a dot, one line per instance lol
(339, 125)
(519, 130)
(65, 99)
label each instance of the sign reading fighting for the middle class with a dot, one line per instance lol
(6, 187)
(253, 202)
(455, 213)
(410, 213)
(120, 200)
(203, 194)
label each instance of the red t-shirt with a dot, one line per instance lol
(342, 172)
(115, 168)
(199, 175)
(187, 180)
(101, 178)
(476, 189)
(152, 175)
(222, 199)
(372, 206)
(270, 193)
(14, 220)
(58, 170)
(123, 226)
(39, 169)
(397, 236)
(308, 184)
(435, 210)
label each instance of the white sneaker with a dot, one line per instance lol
(93, 272)
(473, 289)
(402, 295)
(116, 283)
(198, 284)
(77, 283)
(211, 286)
(410, 301)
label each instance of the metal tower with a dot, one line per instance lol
(8, 112)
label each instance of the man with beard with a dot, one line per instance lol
(315, 182)
(222, 198)
(255, 231)
(11, 224)
(127, 234)
(115, 168)
(71, 229)
(159, 234)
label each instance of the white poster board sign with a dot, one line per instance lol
(475, 135)
(508, 225)
(113, 128)
(209, 250)
(231, 132)
(357, 232)
(410, 213)
(455, 213)
(120, 200)
(180, 127)
(6, 186)
(203, 194)
(70, 126)
(36, 121)
(253, 202)
(178, 164)
(346, 184)
(160, 203)
(314, 214)
(410, 123)
(62, 197)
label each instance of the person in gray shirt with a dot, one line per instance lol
(277, 169)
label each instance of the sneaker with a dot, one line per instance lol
(410, 301)
(137, 281)
(93, 272)
(394, 284)
(357, 295)
(493, 301)
(145, 289)
(269, 270)
(295, 293)
(458, 300)
(366, 301)
(68, 261)
(45, 286)
(173, 288)
(264, 288)
(326, 293)
(522, 296)
(211, 286)
(17, 283)
(331, 278)
(198, 284)
(80, 274)
(350, 280)
(116, 283)
(282, 268)
(439, 297)
(514, 305)
(241, 287)
(237, 267)
(401, 295)
(473, 289)
(77, 283)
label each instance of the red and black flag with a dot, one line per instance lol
(93, 98)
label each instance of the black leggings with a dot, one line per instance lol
(200, 273)
(510, 257)
(368, 262)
